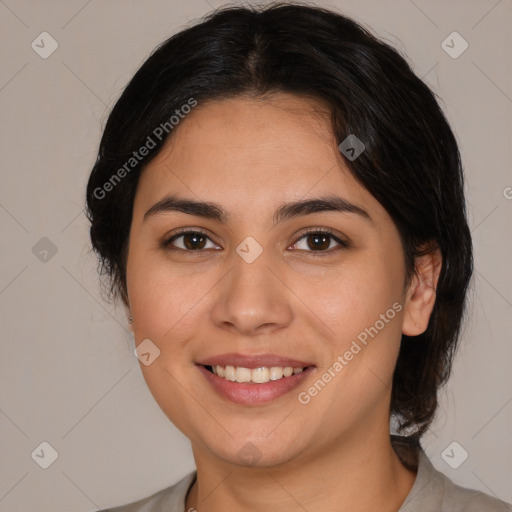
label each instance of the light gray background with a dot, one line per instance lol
(68, 374)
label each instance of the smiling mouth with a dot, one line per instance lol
(260, 375)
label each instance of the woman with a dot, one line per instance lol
(278, 201)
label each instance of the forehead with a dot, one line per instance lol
(245, 152)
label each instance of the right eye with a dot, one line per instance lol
(188, 241)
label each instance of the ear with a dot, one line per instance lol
(126, 302)
(421, 293)
(129, 318)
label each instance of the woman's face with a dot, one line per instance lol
(254, 289)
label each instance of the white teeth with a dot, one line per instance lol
(229, 373)
(243, 374)
(276, 373)
(259, 375)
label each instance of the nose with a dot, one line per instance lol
(253, 298)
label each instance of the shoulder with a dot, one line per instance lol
(171, 499)
(435, 492)
(462, 499)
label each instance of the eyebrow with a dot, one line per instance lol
(286, 211)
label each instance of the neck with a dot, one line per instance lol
(361, 475)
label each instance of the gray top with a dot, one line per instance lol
(432, 491)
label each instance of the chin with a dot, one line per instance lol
(250, 449)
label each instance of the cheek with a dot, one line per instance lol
(165, 305)
(166, 301)
(360, 302)
(156, 290)
(362, 308)
(351, 296)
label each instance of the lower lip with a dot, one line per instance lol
(254, 394)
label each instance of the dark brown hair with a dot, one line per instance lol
(411, 162)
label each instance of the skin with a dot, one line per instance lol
(250, 156)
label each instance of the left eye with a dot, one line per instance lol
(318, 241)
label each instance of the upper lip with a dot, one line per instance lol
(252, 361)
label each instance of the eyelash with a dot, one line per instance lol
(167, 243)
